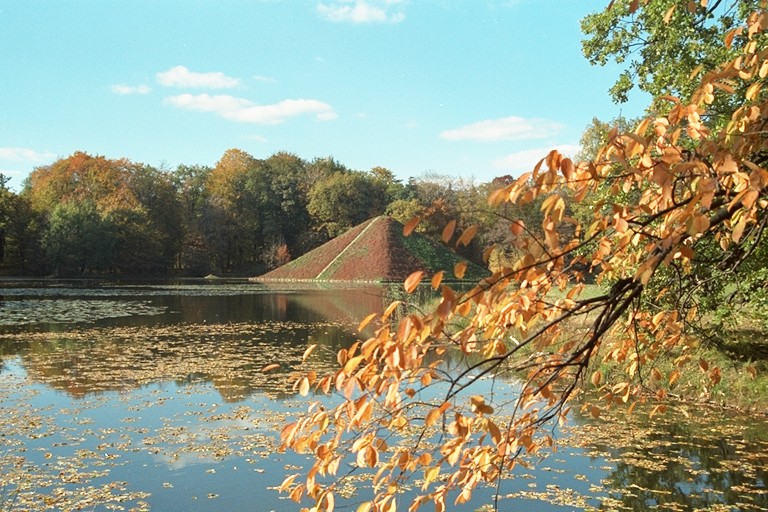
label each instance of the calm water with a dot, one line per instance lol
(151, 397)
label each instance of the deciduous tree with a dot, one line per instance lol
(692, 186)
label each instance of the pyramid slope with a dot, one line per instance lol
(375, 250)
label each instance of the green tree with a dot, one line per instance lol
(190, 185)
(665, 46)
(78, 240)
(345, 199)
(158, 223)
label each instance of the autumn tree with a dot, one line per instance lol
(694, 190)
(131, 207)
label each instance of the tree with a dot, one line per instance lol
(232, 221)
(78, 240)
(189, 184)
(667, 45)
(692, 184)
(134, 205)
(345, 199)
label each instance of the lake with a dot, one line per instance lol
(151, 396)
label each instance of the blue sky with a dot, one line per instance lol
(470, 88)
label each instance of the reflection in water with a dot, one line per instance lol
(174, 402)
(230, 356)
(701, 464)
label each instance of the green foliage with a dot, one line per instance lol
(665, 46)
(78, 239)
(345, 199)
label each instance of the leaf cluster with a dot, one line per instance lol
(692, 188)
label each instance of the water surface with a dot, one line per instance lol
(151, 396)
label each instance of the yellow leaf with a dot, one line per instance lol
(287, 482)
(430, 475)
(669, 13)
(410, 226)
(304, 386)
(459, 269)
(367, 320)
(597, 378)
(329, 502)
(365, 507)
(352, 364)
(270, 367)
(309, 351)
(413, 280)
(753, 91)
(448, 231)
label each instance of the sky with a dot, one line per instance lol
(466, 88)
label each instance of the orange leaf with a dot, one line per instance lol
(467, 236)
(390, 309)
(270, 367)
(448, 231)
(460, 269)
(432, 417)
(437, 279)
(413, 280)
(410, 226)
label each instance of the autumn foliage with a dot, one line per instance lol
(684, 183)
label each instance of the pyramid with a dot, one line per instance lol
(375, 250)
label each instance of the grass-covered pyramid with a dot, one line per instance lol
(375, 250)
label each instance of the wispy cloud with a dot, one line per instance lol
(505, 128)
(523, 161)
(245, 111)
(361, 11)
(267, 79)
(180, 76)
(25, 155)
(131, 89)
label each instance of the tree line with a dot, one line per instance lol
(92, 215)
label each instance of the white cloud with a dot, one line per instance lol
(526, 160)
(180, 76)
(505, 128)
(266, 79)
(25, 155)
(361, 11)
(245, 111)
(130, 89)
